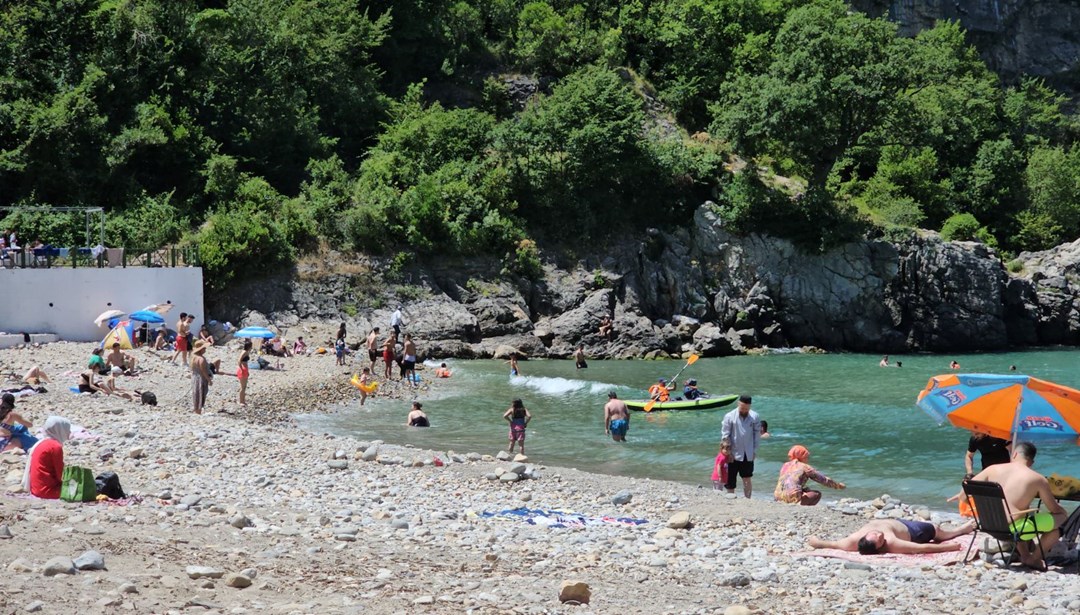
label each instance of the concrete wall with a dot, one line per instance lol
(66, 301)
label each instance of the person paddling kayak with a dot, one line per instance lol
(660, 391)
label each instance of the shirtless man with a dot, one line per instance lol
(118, 358)
(616, 418)
(579, 357)
(373, 346)
(408, 365)
(1021, 485)
(896, 536)
(182, 350)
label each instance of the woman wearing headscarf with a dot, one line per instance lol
(791, 486)
(45, 461)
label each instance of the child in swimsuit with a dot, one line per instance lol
(518, 416)
(14, 429)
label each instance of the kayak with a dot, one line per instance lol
(711, 403)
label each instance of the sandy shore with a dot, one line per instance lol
(242, 497)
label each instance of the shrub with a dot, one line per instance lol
(960, 227)
(241, 238)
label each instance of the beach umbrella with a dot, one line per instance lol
(1014, 407)
(147, 316)
(108, 315)
(123, 333)
(262, 332)
(159, 308)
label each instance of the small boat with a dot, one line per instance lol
(710, 403)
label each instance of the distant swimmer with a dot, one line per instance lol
(954, 365)
(616, 418)
(899, 363)
(884, 361)
(1012, 368)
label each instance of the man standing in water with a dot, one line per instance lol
(742, 427)
(616, 418)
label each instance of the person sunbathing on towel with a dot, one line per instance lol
(896, 536)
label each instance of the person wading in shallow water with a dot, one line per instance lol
(518, 416)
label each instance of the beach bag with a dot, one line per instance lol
(77, 485)
(108, 484)
(149, 399)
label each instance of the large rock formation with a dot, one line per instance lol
(698, 289)
(1014, 37)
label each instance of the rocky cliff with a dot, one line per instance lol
(695, 289)
(1015, 37)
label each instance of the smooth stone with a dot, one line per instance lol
(518, 468)
(58, 565)
(491, 476)
(190, 500)
(240, 521)
(128, 588)
(370, 454)
(734, 579)
(503, 456)
(5, 532)
(680, 520)
(622, 497)
(399, 524)
(338, 464)
(519, 458)
(424, 600)
(509, 477)
(136, 453)
(91, 560)
(575, 591)
(199, 572)
(34, 606)
(238, 581)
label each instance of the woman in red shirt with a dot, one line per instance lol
(46, 460)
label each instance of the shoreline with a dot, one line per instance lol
(318, 529)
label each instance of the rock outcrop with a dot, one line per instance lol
(1014, 37)
(697, 289)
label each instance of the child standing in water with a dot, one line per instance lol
(720, 466)
(518, 416)
(513, 365)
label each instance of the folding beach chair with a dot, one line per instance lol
(994, 518)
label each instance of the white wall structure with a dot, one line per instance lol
(65, 301)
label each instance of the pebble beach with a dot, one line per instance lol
(238, 510)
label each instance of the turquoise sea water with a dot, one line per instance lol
(859, 420)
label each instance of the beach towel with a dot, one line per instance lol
(559, 519)
(902, 559)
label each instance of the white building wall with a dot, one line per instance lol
(65, 301)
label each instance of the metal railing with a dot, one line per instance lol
(52, 257)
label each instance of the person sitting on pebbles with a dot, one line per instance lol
(121, 359)
(45, 461)
(896, 536)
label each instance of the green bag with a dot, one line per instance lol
(77, 485)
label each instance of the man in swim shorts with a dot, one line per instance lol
(1021, 485)
(896, 536)
(616, 418)
(373, 346)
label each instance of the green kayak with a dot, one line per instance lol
(711, 403)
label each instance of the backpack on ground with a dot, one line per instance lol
(149, 399)
(77, 485)
(108, 484)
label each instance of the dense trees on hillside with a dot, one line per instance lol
(259, 128)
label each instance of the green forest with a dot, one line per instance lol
(259, 130)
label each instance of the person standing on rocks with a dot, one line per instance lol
(408, 361)
(388, 356)
(341, 332)
(742, 427)
(201, 378)
(518, 416)
(181, 340)
(243, 371)
(373, 346)
(579, 357)
(616, 418)
(396, 321)
(339, 350)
